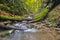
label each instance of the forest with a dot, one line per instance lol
(29, 19)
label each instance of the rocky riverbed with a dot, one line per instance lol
(35, 31)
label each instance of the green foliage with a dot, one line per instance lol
(13, 6)
(33, 5)
(6, 8)
(21, 7)
(43, 13)
(6, 5)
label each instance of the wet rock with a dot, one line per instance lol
(7, 22)
(1, 23)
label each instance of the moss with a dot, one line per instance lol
(4, 33)
(41, 15)
(18, 18)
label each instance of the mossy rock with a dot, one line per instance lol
(54, 14)
(6, 32)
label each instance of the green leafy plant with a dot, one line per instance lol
(33, 6)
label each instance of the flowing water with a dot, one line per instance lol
(28, 33)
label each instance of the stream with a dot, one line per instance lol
(28, 32)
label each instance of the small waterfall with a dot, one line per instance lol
(26, 27)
